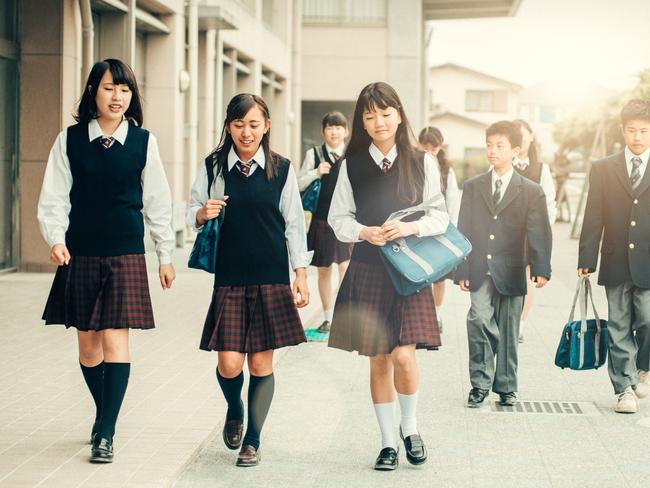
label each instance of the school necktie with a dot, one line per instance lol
(385, 165)
(244, 168)
(335, 157)
(635, 176)
(106, 142)
(497, 191)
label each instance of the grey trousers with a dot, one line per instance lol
(493, 330)
(629, 333)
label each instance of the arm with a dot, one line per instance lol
(538, 235)
(592, 222)
(548, 185)
(157, 203)
(452, 197)
(434, 221)
(342, 215)
(308, 172)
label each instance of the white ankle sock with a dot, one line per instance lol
(386, 417)
(328, 314)
(408, 405)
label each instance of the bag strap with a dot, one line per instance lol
(319, 157)
(219, 182)
(585, 295)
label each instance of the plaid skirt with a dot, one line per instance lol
(371, 318)
(97, 293)
(327, 248)
(252, 318)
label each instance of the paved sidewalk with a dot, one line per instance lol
(321, 430)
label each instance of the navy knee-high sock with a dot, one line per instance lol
(231, 388)
(116, 379)
(94, 376)
(260, 394)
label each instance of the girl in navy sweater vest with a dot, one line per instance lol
(382, 173)
(254, 308)
(102, 175)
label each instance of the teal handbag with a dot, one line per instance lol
(584, 343)
(310, 195)
(413, 263)
(204, 251)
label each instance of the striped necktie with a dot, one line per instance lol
(635, 176)
(385, 165)
(497, 191)
(244, 168)
(106, 142)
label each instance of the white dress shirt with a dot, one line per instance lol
(547, 184)
(644, 161)
(342, 215)
(54, 202)
(308, 171)
(505, 181)
(290, 206)
(452, 197)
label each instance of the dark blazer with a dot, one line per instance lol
(499, 235)
(622, 217)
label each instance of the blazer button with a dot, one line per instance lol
(489, 256)
(633, 223)
(491, 237)
(495, 217)
(636, 202)
(631, 245)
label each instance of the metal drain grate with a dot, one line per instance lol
(546, 407)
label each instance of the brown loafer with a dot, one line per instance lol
(248, 456)
(232, 433)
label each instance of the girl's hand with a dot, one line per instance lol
(464, 285)
(59, 254)
(300, 290)
(210, 210)
(395, 229)
(323, 169)
(373, 235)
(167, 275)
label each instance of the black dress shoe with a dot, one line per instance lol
(248, 457)
(387, 459)
(232, 433)
(508, 399)
(325, 326)
(476, 397)
(101, 450)
(416, 451)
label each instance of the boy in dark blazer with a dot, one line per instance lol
(618, 209)
(500, 212)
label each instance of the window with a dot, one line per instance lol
(359, 12)
(486, 101)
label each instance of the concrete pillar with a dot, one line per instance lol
(207, 59)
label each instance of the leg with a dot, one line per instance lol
(508, 312)
(642, 327)
(325, 292)
(91, 360)
(383, 398)
(621, 364)
(438, 297)
(231, 380)
(260, 394)
(343, 267)
(482, 336)
(406, 383)
(115, 344)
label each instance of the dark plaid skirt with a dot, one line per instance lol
(97, 293)
(370, 317)
(251, 319)
(327, 248)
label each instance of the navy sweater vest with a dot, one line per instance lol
(252, 247)
(375, 196)
(533, 172)
(106, 194)
(328, 183)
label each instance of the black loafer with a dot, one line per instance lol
(508, 399)
(233, 434)
(416, 451)
(387, 459)
(325, 326)
(476, 397)
(101, 450)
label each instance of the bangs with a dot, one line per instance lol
(121, 73)
(379, 97)
(241, 104)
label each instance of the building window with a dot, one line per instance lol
(486, 101)
(357, 12)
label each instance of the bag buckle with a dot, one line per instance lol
(396, 248)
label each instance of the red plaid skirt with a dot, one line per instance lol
(252, 318)
(327, 248)
(97, 293)
(370, 317)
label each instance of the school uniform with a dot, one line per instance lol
(97, 192)
(320, 237)
(540, 173)
(499, 224)
(262, 233)
(369, 316)
(619, 211)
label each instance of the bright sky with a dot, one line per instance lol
(602, 41)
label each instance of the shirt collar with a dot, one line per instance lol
(522, 163)
(338, 150)
(95, 131)
(629, 155)
(259, 158)
(378, 157)
(505, 179)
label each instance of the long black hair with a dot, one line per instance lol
(532, 150)
(432, 136)
(380, 96)
(122, 75)
(237, 109)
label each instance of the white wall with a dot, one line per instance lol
(459, 135)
